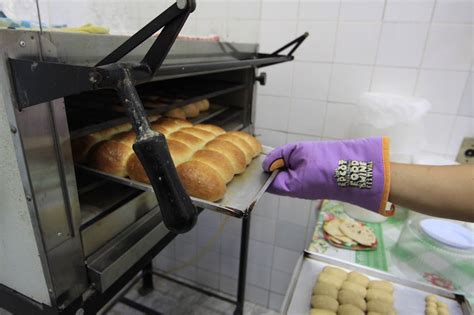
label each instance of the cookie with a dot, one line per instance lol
(332, 228)
(381, 295)
(357, 288)
(382, 285)
(358, 278)
(324, 302)
(323, 288)
(349, 297)
(380, 307)
(358, 233)
(349, 309)
(318, 311)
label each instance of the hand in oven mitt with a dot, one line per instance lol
(355, 171)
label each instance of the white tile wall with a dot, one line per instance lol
(321, 46)
(357, 42)
(319, 10)
(401, 44)
(455, 11)
(361, 10)
(409, 10)
(443, 89)
(311, 80)
(449, 47)
(410, 47)
(394, 80)
(348, 82)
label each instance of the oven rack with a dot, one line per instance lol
(242, 194)
(99, 109)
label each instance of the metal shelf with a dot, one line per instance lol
(98, 112)
(242, 194)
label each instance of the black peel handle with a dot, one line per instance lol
(178, 212)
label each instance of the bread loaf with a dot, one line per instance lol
(191, 141)
(211, 128)
(241, 144)
(176, 113)
(251, 141)
(203, 105)
(179, 152)
(200, 133)
(232, 152)
(81, 146)
(206, 157)
(216, 160)
(191, 110)
(201, 181)
(110, 156)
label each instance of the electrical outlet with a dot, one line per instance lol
(466, 152)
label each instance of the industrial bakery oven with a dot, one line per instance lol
(72, 238)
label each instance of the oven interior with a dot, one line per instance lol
(107, 207)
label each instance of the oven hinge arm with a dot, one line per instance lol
(296, 42)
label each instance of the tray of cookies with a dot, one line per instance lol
(220, 170)
(322, 285)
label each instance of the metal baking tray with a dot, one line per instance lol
(409, 296)
(242, 193)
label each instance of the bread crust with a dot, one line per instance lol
(211, 128)
(241, 144)
(218, 161)
(201, 181)
(176, 113)
(251, 141)
(231, 151)
(191, 110)
(200, 133)
(110, 156)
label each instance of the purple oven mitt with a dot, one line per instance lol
(355, 171)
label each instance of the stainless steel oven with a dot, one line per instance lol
(70, 239)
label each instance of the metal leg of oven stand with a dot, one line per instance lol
(244, 249)
(147, 280)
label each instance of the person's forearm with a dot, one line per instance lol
(441, 191)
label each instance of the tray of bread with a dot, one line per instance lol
(220, 170)
(322, 285)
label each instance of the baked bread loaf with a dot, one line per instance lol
(203, 105)
(217, 131)
(231, 151)
(251, 141)
(216, 160)
(110, 156)
(199, 133)
(205, 156)
(176, 113)
(241, 144)
(201, 181)
(81, 146)
(191, 110)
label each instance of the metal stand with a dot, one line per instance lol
(244, 250)
(147, 280)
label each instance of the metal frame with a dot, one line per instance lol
(31, 85)
(147, 280)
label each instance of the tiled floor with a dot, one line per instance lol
(172, 298)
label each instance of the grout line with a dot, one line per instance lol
(331, 74)
(382, 24)
(420, 65)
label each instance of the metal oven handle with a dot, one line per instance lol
(178, 212)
